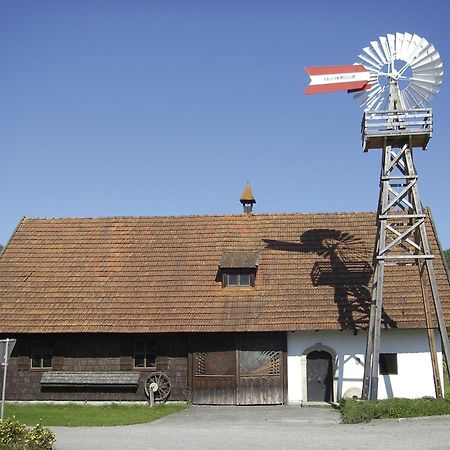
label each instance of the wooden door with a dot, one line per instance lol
(214, 369)
(260, 371)
(319, 372)
(238, 369)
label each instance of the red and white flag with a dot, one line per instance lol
(337, 78)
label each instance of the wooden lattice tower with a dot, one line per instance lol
(396, 121)
(401, 232)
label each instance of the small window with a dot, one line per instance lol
(238, 279)
(388, 364)
(41, 355)
(144, 354)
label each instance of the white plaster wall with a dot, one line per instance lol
(414, 377)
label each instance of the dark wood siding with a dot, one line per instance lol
(98, 353)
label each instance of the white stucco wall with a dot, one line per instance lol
(414, 377)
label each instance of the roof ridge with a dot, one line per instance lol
(182, 216)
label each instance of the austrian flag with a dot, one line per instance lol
(337, 78)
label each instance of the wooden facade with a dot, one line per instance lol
(216, 368)
(96, 353)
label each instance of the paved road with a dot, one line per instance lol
(281, 427)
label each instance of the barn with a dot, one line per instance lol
(232, 309)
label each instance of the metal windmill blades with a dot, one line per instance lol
(409, 51)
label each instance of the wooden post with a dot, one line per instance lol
(430, 332)
(5, 369)
(151, 398)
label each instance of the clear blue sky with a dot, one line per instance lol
(168, 107)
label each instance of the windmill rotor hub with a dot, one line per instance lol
(394, 74)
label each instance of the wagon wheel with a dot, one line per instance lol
(159, 383)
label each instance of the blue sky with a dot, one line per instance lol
(168, 107)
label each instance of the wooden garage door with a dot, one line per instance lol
(242, 369)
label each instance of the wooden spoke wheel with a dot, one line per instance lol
(159, 383)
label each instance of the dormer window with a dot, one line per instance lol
(238, 268)
(237, 279)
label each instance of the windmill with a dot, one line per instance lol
(394, 80)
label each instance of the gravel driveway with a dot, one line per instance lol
(285, 427)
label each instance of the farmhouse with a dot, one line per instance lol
(233, 309)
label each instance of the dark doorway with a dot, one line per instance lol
(319, 370)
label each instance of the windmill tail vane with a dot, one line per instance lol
(350, 78)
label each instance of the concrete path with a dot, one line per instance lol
(280, 427)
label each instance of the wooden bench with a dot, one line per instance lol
(90, 379)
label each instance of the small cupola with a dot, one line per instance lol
(247, 199)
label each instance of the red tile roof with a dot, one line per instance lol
(159, 274)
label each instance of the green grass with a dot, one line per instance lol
(357, 411)
(73, 415)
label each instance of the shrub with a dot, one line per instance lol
(39, 438)
(14, 435)
(356, 411)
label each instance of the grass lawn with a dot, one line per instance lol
(73, 415)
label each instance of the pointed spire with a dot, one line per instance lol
(247, 199)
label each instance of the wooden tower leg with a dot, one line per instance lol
(370, 381)
(369, 345)
(430, 331)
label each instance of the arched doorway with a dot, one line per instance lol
(319, 370)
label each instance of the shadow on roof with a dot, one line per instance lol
(346, 268)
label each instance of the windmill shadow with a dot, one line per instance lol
(345, 268)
